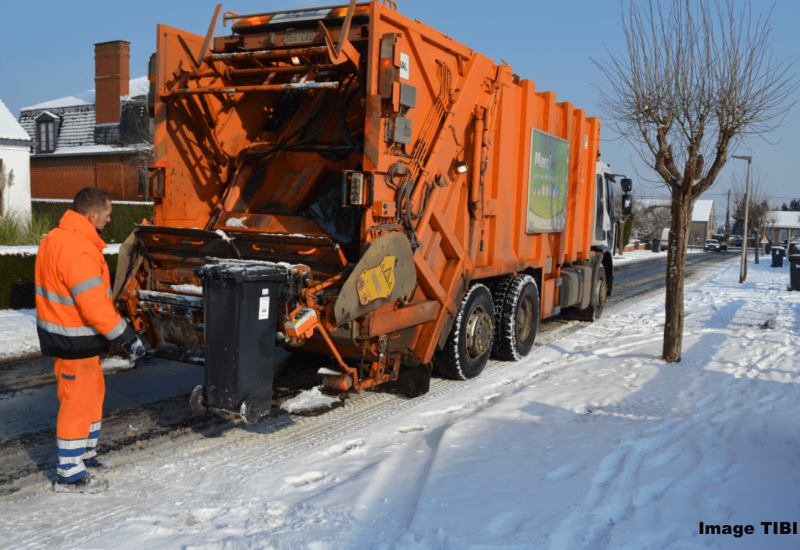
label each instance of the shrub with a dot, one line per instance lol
(124, 217)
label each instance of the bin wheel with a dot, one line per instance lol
(197, 401)
(469, 343)
(250, 410)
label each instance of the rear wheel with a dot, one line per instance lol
(517, 310)
(469, 343)
(599, 294)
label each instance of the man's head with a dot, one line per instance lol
(95, 204)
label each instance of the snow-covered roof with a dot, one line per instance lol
(69, 101)
(137, 87)
(92, 150)
(9, 127)
(702, 211)
(787, 220)
(76, 128)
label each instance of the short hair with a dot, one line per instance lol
(90, 199)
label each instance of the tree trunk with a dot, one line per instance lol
(676, 262)
(758, 242)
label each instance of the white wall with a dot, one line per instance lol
(18, 158)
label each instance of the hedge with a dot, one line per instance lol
(124, 217)
(17, 280)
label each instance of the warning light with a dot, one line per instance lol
(295, 61)
(461, 167)
(386, 62)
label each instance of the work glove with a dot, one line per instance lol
(134, 350)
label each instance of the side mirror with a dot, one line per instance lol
(627, 204)
(626, 184)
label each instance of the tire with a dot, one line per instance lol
(467, 351)
(250, 411)
(517, 311)
(599, 294)
(197, 401)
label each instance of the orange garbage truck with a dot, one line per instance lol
(351, 182)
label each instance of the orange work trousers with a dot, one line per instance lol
(81, 390)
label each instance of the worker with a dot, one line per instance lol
(76, 320)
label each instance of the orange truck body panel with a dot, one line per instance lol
(213, 121)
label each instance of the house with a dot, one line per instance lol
(786, 225)
(99, 139)
(15, 154)
(703, 217)
(703, 221)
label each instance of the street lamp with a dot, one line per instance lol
(743, 268)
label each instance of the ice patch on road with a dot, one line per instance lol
(309, 401)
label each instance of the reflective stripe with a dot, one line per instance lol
(117, 330)
(70, 443)
(90, 457)
(88, 284)
(96, 426)
(66, 331)
(53, 297)
(66, 455)
(70, 473)
(108, 292)
(68, 377)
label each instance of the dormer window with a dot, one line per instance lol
(46, 132)
(47, 136)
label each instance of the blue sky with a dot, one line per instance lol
(47, 53)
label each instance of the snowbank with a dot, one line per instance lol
(642, 255)
(592, 442)
(33, 250)
(18, 338)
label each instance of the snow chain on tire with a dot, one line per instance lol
(508, 294)
(454, 361)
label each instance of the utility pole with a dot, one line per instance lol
(743, 269)
(728, 219)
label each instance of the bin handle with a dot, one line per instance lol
(307, 252)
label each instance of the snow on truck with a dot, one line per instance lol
(351, 182)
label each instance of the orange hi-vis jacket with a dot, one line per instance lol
(75, 316)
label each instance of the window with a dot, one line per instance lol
(47, 136)
(784, 234)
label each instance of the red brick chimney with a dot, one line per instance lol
(111, 78)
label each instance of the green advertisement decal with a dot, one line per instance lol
(547, 185)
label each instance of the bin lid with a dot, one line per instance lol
(778, 248)
(244, 270)
(794, 257)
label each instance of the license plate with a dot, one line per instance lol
(302, 37)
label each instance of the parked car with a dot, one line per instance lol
(712, 244)
(737, 240)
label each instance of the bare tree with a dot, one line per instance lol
(696, 79)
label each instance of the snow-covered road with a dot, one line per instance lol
(592, 442)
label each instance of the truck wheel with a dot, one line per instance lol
(599, 294)
(516, 306)
(469, 343)
(250, 410)
(197, 401)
